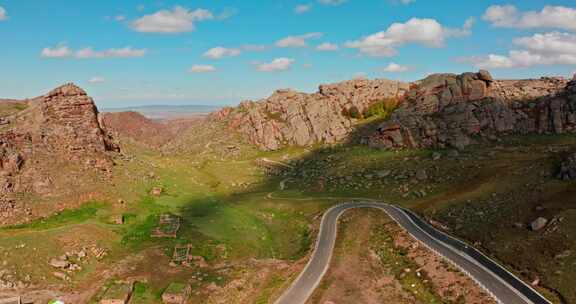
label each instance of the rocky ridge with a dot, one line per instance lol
(292, 118)
(57, 132)
(446, 110)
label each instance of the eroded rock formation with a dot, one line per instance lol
(446, 110)
(292, 118)
(57, 139)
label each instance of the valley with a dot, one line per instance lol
(195, 203)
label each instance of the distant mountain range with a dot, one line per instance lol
(167, 111)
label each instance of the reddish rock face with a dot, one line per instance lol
(446, 110)
(70, 124)
(292, 118)
(55, 141)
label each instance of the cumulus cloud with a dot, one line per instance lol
(278, 64)
(200, 68)
(60, 51)
(395, 68)
(125, 52)
(3, 15)
(177, 20)
(538, 49)
(558, 17)
(327, 47)
(332, 2)
(427, 32)
(297, 41)
(221, 52)
(302, 8)
(96, 79)
(63, 51)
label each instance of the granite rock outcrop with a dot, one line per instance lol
(447, 110)
(293, 118)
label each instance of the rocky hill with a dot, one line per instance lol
(446, 110)
(442, 110)
(48, 147)
(292, 118)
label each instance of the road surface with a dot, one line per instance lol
(501, 284)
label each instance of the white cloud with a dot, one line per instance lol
(559, 17)
(63, 51)
(60, 51)
(278, 64)
(96, 79)
(395, 68)
(539, 49)
(177, 20)
(125, 52)
(427, 32)
(3, 15)
(302, 8)
(199, 68)
(327, 47)
(332, 2)
(120, 18)
(221, 52)
(297, 41)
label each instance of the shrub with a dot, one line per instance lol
(382, 109)
(353, 112)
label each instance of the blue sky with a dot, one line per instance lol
(131, 52)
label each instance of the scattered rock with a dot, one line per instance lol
(421, 175)
(538, 224)
(156, 191)
(59, 263)
(61, 276)
(568, 168)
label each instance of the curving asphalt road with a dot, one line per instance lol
(501, 284)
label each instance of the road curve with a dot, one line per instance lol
(501, 284)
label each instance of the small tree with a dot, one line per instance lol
(354, 112)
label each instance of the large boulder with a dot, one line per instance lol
(446, 110)
(538, 224)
